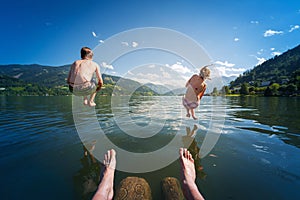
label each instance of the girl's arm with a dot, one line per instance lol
(188, 82)
(200, 95)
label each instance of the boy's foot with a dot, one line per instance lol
(85, 101)
(188, 175)
(92, 104)
(105, 189)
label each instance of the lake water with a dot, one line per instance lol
(256, 154)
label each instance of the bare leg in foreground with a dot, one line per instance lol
(105, 189)
(188, 176)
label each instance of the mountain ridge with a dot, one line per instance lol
(281, 69)
(35, 79)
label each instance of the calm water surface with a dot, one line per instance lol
(256, 157)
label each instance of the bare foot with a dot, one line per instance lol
(188, 175)
(188, 115)
(195, 128)
(105, 190)
(194, 117)
(92, 104)
(85, 101)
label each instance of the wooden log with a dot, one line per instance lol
(171, 189)
(133, 188)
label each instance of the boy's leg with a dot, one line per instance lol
(85, 100)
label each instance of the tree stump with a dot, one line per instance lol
(133, 188)
(171, 189)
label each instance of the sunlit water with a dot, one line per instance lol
(257, 155)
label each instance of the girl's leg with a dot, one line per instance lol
(193, 114)
(187, 112)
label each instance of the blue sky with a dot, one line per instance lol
(237, 35)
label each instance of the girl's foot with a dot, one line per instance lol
(195, 118)
(188, 115)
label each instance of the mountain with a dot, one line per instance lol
(227, 79)
(283, 69)
(42, 75)
(47, 80)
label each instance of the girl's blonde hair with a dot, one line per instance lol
(205, 72)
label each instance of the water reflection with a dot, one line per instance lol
(86, 180)
(190, 142)
(273, 115)
(39, 131)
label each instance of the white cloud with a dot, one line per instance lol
(294, 28)
(107, 66)
(276, 53)
(270, 33)
(130, 73)
(236, 39)
(134, 44)
(260, 51)
(166, 75)
(94, 34)
(272, 49)
(101, 41)
(125, 43)
(254, 22)
(230, 71)
(178, 67)
(260, 61)
(226, 63)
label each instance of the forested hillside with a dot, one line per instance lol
(280, 75)
(47, 80)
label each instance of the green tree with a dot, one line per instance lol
(215, 92)
(225, 90)
(291, 89)
(268, 92)
(244, 89)
(274, 88)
